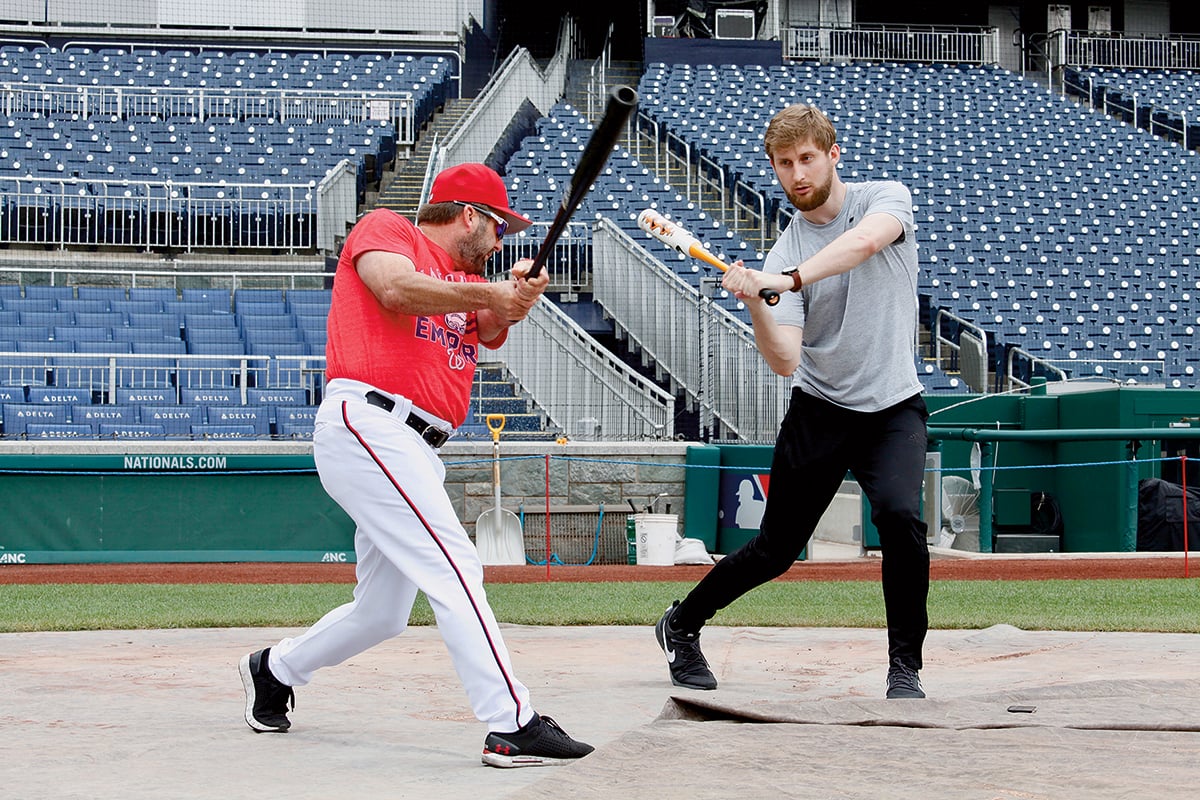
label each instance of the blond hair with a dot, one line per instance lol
(796, 124)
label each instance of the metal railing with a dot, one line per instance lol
(170, 215)
(957, 45)
(102, 374)
(30, 275)
(517, 80)
(1134, 111)
(705, 351)
(1129, 50)
(165, 103)
(946, 347)
(585, 390)
(65, 212)
(569, 263)
(1037, 366)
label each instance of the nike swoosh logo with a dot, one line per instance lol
(670, 654)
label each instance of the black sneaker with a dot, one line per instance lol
(266, 698)
(903, 682)
(688, 667)
(540, 743)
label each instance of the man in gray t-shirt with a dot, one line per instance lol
(844, 330)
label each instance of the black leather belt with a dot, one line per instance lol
(434, 437)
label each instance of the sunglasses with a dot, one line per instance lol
(501, 223)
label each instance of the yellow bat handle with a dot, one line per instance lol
(696, 251)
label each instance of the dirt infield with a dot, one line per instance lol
(867, 568)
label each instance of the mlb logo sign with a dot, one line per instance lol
(743, 498)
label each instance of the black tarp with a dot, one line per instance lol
(1160, 516)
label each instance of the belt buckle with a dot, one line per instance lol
(434, 437)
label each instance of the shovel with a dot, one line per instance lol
(498, 535)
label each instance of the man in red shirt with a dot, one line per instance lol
(409, 311)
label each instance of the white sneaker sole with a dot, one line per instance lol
(248, 685)
(510, 762)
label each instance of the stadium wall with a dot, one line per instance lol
(159, 502)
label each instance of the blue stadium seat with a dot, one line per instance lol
(208, 322)
(213, 342)
(158, 346)
(228, 396)
(262, 307)
(144, 395)
(59, 395)
(215, 299)
(55, 293)
(103, 348)
(16, 416)
(108, 294)
(257, 417)
(82, 304)
(153, 294)
(79, 333)
(248, 321)
(30, 304)
(276, 397)
(98, 414)
(311, 322)
(58, 431)
(206, 431)
(279, 335)
(184, 307)
(175, 419)
(295, 422)
(168, 324)
(101, 319)
(254, 295)
(13, 394)
(136, 306)
(314, 298)
(131, 431)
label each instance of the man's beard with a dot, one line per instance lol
(475, 250)
(814, 199)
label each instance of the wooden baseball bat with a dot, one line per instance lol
(677, 238)
(621, 102)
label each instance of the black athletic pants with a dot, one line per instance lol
(818, 443)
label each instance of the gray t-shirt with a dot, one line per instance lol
(859, 327)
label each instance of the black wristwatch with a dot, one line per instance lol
(794, 273)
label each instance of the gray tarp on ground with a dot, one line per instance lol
(1098, 739)
(157, 715)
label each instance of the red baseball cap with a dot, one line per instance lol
(478, 184)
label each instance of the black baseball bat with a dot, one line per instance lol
(621, 102)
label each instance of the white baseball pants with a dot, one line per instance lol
(408, 538)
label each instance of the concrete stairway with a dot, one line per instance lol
(403, 194)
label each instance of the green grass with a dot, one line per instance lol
(1161, 605)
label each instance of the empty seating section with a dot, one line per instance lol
(242, 364)
(539, 173)
(1057, 229)
(159, 363)
(152, 148)
(1162, 101)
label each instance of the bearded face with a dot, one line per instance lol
(806, 174)
(477, 247)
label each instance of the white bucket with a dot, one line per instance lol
(656, 536)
